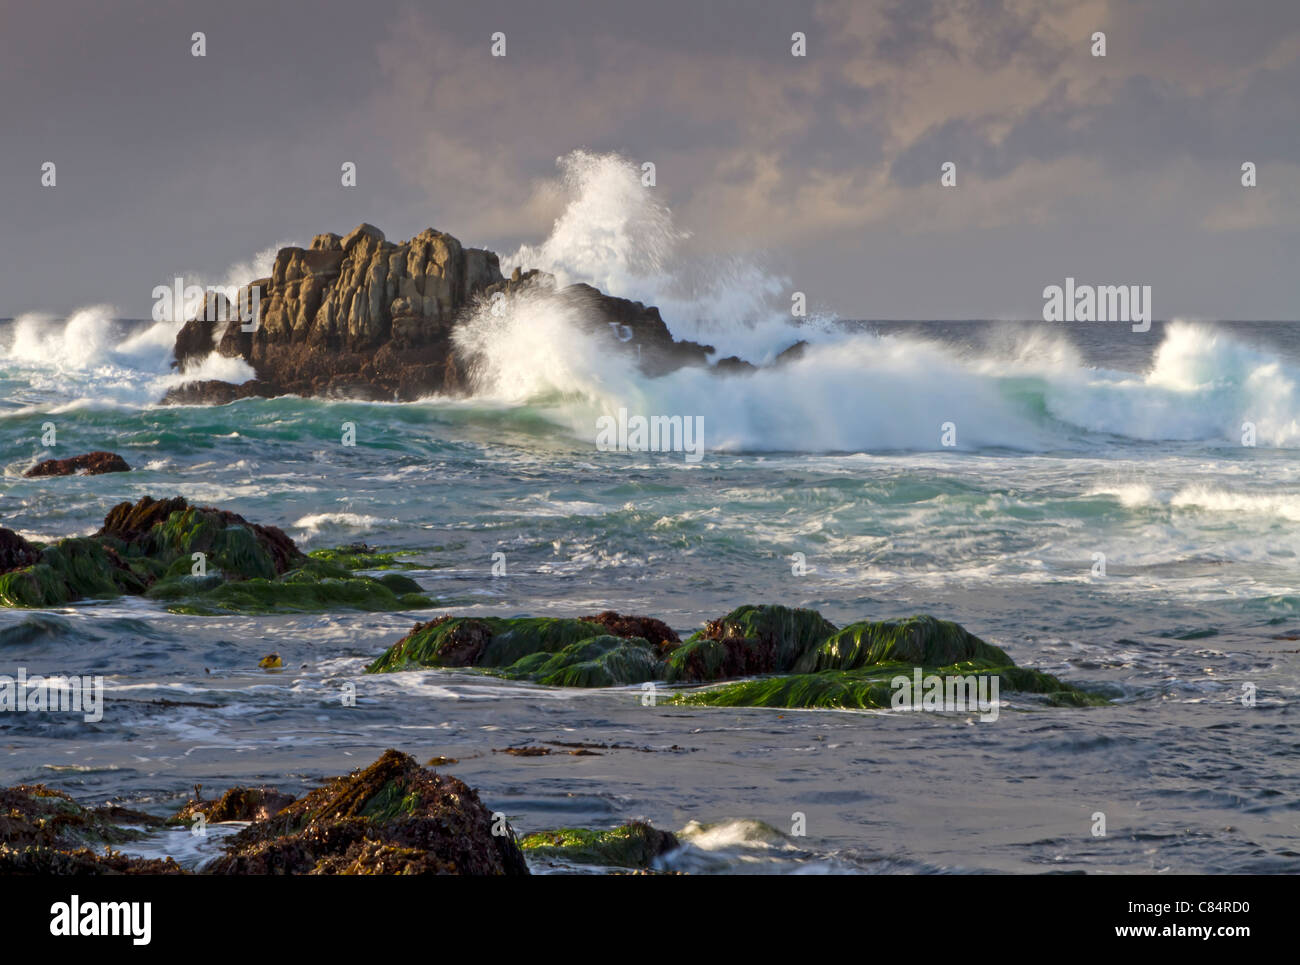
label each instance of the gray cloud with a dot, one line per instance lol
(1123, 168)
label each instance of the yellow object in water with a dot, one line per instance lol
(271, 661)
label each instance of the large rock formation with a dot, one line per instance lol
(362, 317)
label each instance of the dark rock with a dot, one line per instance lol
(360, 317)
(647, 628)
(216, 392)
(791, 354)
(90, 464)
(734, 365)
(393, 817)
(15, 552)
(43, 831)
(238, 804)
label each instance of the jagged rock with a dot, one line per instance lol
(735, 365)
(238, 804)
(90, 464)
(43, 831)
(393, 817)
(362, 317)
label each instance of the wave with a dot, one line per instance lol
(1206, 499)
(851, 390)
(866, 392)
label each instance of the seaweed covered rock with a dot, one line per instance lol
(658, 633)
(15, 552)
(173, 530)
(393, 817)
(778, 656)
(199, 559)
(90, 464)
(560, 652)
(921, 640)
(604, 661)
(43, 831)
(871, 687)
(237, 804)
(749, 640)
(632, 845)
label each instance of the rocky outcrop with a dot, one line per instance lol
(44, 832)
(362, 317)
(197, 559)
(237, 804)
(791, 657)
(393, 817)
(91, 464)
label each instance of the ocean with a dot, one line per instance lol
(823, 483)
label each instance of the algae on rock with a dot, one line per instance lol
(198, 559)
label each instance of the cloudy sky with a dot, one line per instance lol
(825, 169)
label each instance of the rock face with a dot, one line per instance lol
(362, 317)
(91, 464)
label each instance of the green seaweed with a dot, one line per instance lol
(871, 688)
(77, 568)
(358, 557)
(604, 661)
(149, 549)
(295, 592)
(495, 642)
(921, 640)
(773, 656)
(632, 845)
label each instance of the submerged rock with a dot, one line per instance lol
(43, 831)
(393, 817)
(632, 845)
(198, 559)
(869, 688)
(792, 657)
(90, 464)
